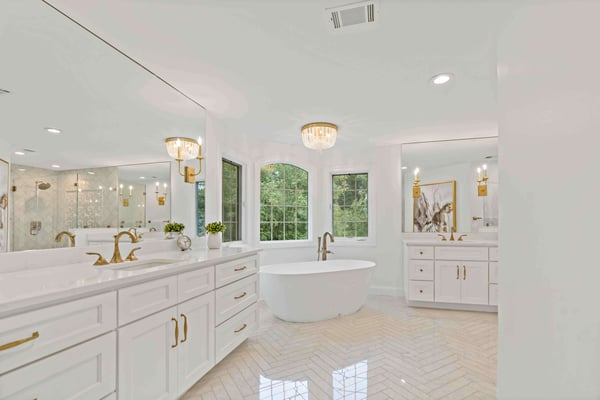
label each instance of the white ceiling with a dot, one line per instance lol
(266, 67)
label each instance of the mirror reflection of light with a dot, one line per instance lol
(289, 390)
(351, 382)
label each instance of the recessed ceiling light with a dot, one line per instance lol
(404, 167)
(142, 177)
(91, 173)
(55, 166)
(53, 130)
(440, 79)
(20, 153)
(22, 169)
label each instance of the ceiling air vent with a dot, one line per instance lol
(351, 14)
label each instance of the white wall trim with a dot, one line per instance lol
(386, 291)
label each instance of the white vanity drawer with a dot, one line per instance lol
(144, 299)
(232, 271)
(420, 252)
(84, 372)
(461, 253)
(54, 328)
(493, 272)
(195, 283)
(493, 294)
(233, 298)
(493, 254)
(420, 270)
(420, 290)
(235, 331)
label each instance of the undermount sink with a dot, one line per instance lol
(135, 265)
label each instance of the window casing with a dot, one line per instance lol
(283, 203)
(231, 200)
(200, 208)
(350, 205)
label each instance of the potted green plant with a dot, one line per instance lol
(173, 227)
(213, 231)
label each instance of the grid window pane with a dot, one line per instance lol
(231, 200)
(200, 208)
(284, 202)
(350, 205)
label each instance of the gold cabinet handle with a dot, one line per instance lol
(240, 269)
(176, 332)
(241, 329)
(185, 327)
(240, 296)
(421, 269)
(464, 272)
(420, 290)
(421, 252)
(457, 271)
(19, 342)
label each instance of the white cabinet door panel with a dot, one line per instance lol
(232, 271)
(147, 360)
(420, 270)
(447, 281)
(493, 272)
(474, 284)
(83, 372)
(234, 331)
(420, 290)
(493, 294)
(420, 252)
(197, 339)
(234, 297)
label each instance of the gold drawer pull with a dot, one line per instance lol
(241, 329)
(19, 342)
(185, 327)
(240, 296)
(464, 272)
(457, 271)
(421, 269)
(176, 332)
(420, 290)
(240, 269)
(421, 252)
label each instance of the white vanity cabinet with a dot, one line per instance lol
(152, 338)
(451, 275)
(164, 354)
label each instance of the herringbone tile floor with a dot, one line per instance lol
(384, 351)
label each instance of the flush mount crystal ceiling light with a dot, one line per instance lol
(319, 135)
(182, 149)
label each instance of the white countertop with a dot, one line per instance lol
(449, 243)
(28, 289)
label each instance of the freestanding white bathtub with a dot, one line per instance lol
(315, 290)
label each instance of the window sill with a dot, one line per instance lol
(286, 244)
(347, 242)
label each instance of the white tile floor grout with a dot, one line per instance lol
(386, 350)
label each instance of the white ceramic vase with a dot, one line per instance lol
(214, 240)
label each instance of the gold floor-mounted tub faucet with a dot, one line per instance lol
(322, 246)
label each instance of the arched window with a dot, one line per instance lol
(283, 202)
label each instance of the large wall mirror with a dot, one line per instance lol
(83, 127)
(451, 185)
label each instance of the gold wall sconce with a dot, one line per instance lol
(125, 200)
(482, 181)
(416, 188)
(183, 149)
(161, 199)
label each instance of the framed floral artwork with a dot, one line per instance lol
(434, 210)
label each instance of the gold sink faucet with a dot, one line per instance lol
(116, 257)
(323, 247)
(59, 236)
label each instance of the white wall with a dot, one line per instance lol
(549, 102)
(383, 165)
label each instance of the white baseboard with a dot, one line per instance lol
(386, 291)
